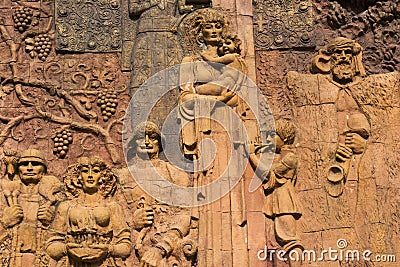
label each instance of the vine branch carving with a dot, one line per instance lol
(88, 124)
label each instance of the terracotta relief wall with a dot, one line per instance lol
(47, 94)
(364, 210)
(69, 69)
(373, 24)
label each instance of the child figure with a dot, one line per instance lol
(281, 204)
(229, 55)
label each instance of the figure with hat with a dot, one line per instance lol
(342, 59)
(29, 198)
(348, 142)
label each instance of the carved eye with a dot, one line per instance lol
(153, 136)
(271, 134)
(96, 170)
(140, 136)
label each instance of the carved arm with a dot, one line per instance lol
(136, 7)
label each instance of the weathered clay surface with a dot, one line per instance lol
(68, 70)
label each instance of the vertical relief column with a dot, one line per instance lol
(241, 15)
(223, 229)
(279, 28)
(246, 242)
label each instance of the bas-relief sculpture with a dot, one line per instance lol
(156, 45)
(28, 203)
(53, 92)
(281, 204)
(88, 26)
(164, 235)
(204, 86)
(89, 228)
(283, 24)
(353, 137)
(362, 20)
(360, 125)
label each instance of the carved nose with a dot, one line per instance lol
(30, 167)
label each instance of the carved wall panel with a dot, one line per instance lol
(373, 24)
(346, 209)
(69, 103)
(88, 26)
(283, 24)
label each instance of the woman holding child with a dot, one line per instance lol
(210, 76)
(211, 108)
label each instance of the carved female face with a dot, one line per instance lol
(90, 178)
(148, 145)
(211, 32)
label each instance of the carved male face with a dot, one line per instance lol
(342, 65)
(211, 32)
(148, 145)
(90, 178)
(31, 171)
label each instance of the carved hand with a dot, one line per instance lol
(343, 152)
(207, 56)
(252, 148)
(355, 142)
(143, 217)
(45, 214)
(12, 215)
(151, 258)
(226, 96)
(186, 8)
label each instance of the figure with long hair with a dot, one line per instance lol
(90, 228)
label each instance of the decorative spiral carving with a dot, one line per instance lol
(189, 247)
